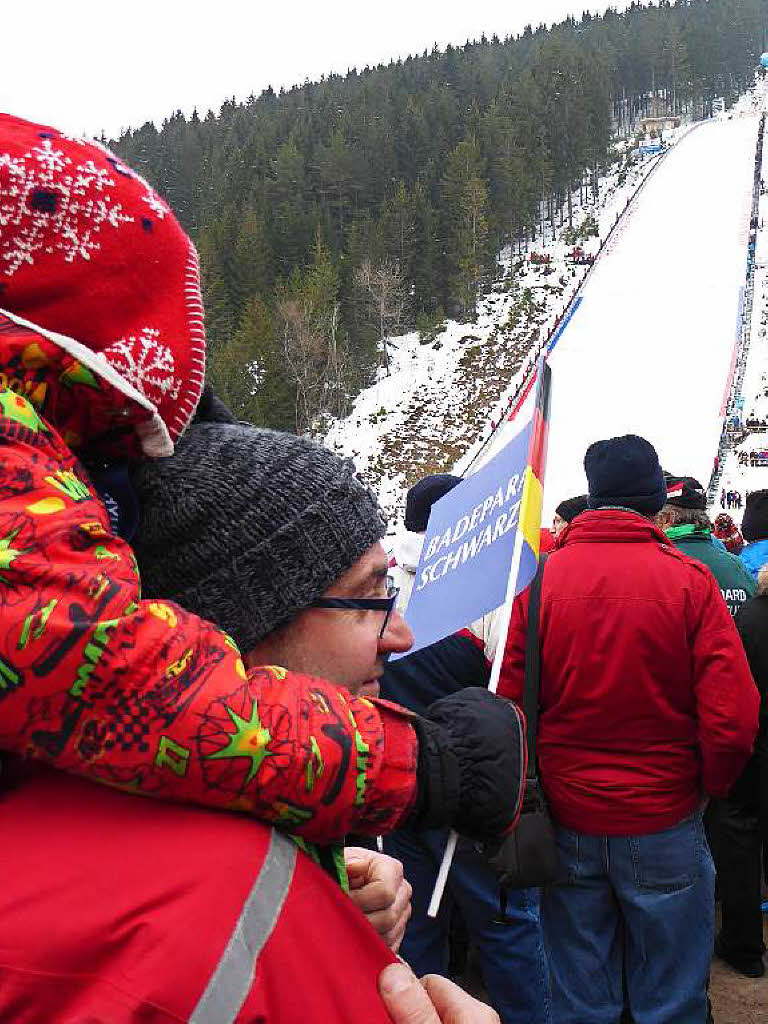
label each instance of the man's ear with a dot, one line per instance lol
(272, 650)
(264, 653)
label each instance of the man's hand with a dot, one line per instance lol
(433, 1000)
(377, 887)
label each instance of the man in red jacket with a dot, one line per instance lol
(647, 707)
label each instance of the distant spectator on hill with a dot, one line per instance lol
(754, 527)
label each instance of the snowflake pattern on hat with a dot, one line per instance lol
(51, 204)
(90, 253)
(155, 203)
(147, 364)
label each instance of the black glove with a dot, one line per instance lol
(471, 772)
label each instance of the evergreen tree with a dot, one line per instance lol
(465, 223)
(248, 371)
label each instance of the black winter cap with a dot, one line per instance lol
(246, 527)
(685, 492)
(754, 525)
(423, 495)
(625, 471)
(572, 507)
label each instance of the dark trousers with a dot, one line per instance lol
(511, 952)
(737, 848)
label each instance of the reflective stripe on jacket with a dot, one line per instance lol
(118, 909)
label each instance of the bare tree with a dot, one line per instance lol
(384, 288)
(314, 358)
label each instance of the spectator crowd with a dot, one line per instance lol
(753, 457)
(201, 612)
(731, 498)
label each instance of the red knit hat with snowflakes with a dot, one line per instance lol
(93, 257)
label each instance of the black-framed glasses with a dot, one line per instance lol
(364, 604)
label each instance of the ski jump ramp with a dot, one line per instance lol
(649, 349)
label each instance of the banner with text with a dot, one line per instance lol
(467, 554)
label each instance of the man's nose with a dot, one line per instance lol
(397, 637)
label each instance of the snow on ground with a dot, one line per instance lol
(440, 398)
(650, 347)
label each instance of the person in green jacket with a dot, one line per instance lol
(684, 520)
(732, 823)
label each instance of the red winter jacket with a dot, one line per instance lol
(117, 910)
(646, 695)
(141, 694)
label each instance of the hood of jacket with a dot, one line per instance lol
(79, 393)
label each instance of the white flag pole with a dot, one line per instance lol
(450, 848)
(506, 614)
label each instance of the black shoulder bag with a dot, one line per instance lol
(529, 857)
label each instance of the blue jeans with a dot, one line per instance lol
(511, 954)
(634, 910)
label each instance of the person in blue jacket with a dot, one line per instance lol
(754, 528)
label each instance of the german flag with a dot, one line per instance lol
(533, 485)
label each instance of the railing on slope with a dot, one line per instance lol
(745, 334)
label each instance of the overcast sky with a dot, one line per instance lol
(87, 65)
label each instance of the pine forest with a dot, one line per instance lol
(333, 215)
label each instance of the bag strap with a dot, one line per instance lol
(533, 668)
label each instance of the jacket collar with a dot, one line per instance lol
(689, 532)
(611, 526)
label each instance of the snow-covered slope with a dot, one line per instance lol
(648, 350)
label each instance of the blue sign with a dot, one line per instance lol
(467, 555)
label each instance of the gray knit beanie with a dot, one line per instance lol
(246, 527)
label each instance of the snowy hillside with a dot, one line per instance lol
(649, 349)
(442, 397)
